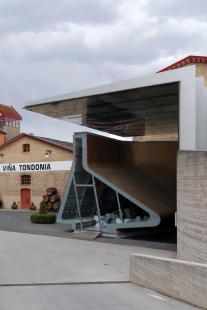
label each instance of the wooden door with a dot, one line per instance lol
(25, 198)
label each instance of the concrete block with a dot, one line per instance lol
(192, 206)
(175, 278)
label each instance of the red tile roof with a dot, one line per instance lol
(3, 131)
(5, 110)
(186, 61)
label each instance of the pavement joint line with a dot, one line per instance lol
(62, 283)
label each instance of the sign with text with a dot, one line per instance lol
(37, 166)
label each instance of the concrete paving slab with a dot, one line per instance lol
(26, 258)
(50, 272)
(82, 297)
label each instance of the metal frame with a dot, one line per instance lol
(154, 217)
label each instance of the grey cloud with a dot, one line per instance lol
(131, 49)
(21, 15)
(176, 8)
(103, 45)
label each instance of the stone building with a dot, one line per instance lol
(9, 122)
(29, 165)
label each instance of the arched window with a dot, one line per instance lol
(25, 180)
(26, 147)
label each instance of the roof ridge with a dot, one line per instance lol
(18, 137)
(10, 111)
(16, 111)
(3, 131)
(186, 61)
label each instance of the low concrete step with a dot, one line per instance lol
(89, 235)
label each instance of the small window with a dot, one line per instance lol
(1, 122)
(25, 179)
(26, 147)
(17, 123)
(13, 122)
(10, 122)
(7, 121)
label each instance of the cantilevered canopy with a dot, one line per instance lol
(124, 113)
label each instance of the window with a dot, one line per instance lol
(25, 179)
(26, 147)
(17, 124)
(12, 122)
(1, 122)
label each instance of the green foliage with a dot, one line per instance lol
(32, 204)
(49, 218)
(14, 202)
(42, 208)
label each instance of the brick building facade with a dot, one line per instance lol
(29, 165)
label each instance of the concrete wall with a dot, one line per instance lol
(11, 132)
(178, 279)
(192, 206)
(10, 182)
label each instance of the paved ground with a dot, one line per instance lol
(18, 221)
(40, 271)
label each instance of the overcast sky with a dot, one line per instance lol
(53, 47)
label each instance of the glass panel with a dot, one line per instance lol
(87, 203)
(70, 210)
(132, 212)
(2, 122)
(17, 123)
(81, 176)
(108, 205)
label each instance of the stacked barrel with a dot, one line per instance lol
(52, 199)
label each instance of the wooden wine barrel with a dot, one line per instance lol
(46, 198)
(56, 205)
(49, 205)
(54, 198)
(51, 191)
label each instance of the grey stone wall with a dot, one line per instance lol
(178, 279)
(192, 206)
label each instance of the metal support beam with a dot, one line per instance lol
(97, 204)
(117, 197)
(79, 211)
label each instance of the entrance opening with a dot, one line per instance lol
(116, 185)
(25, 198)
